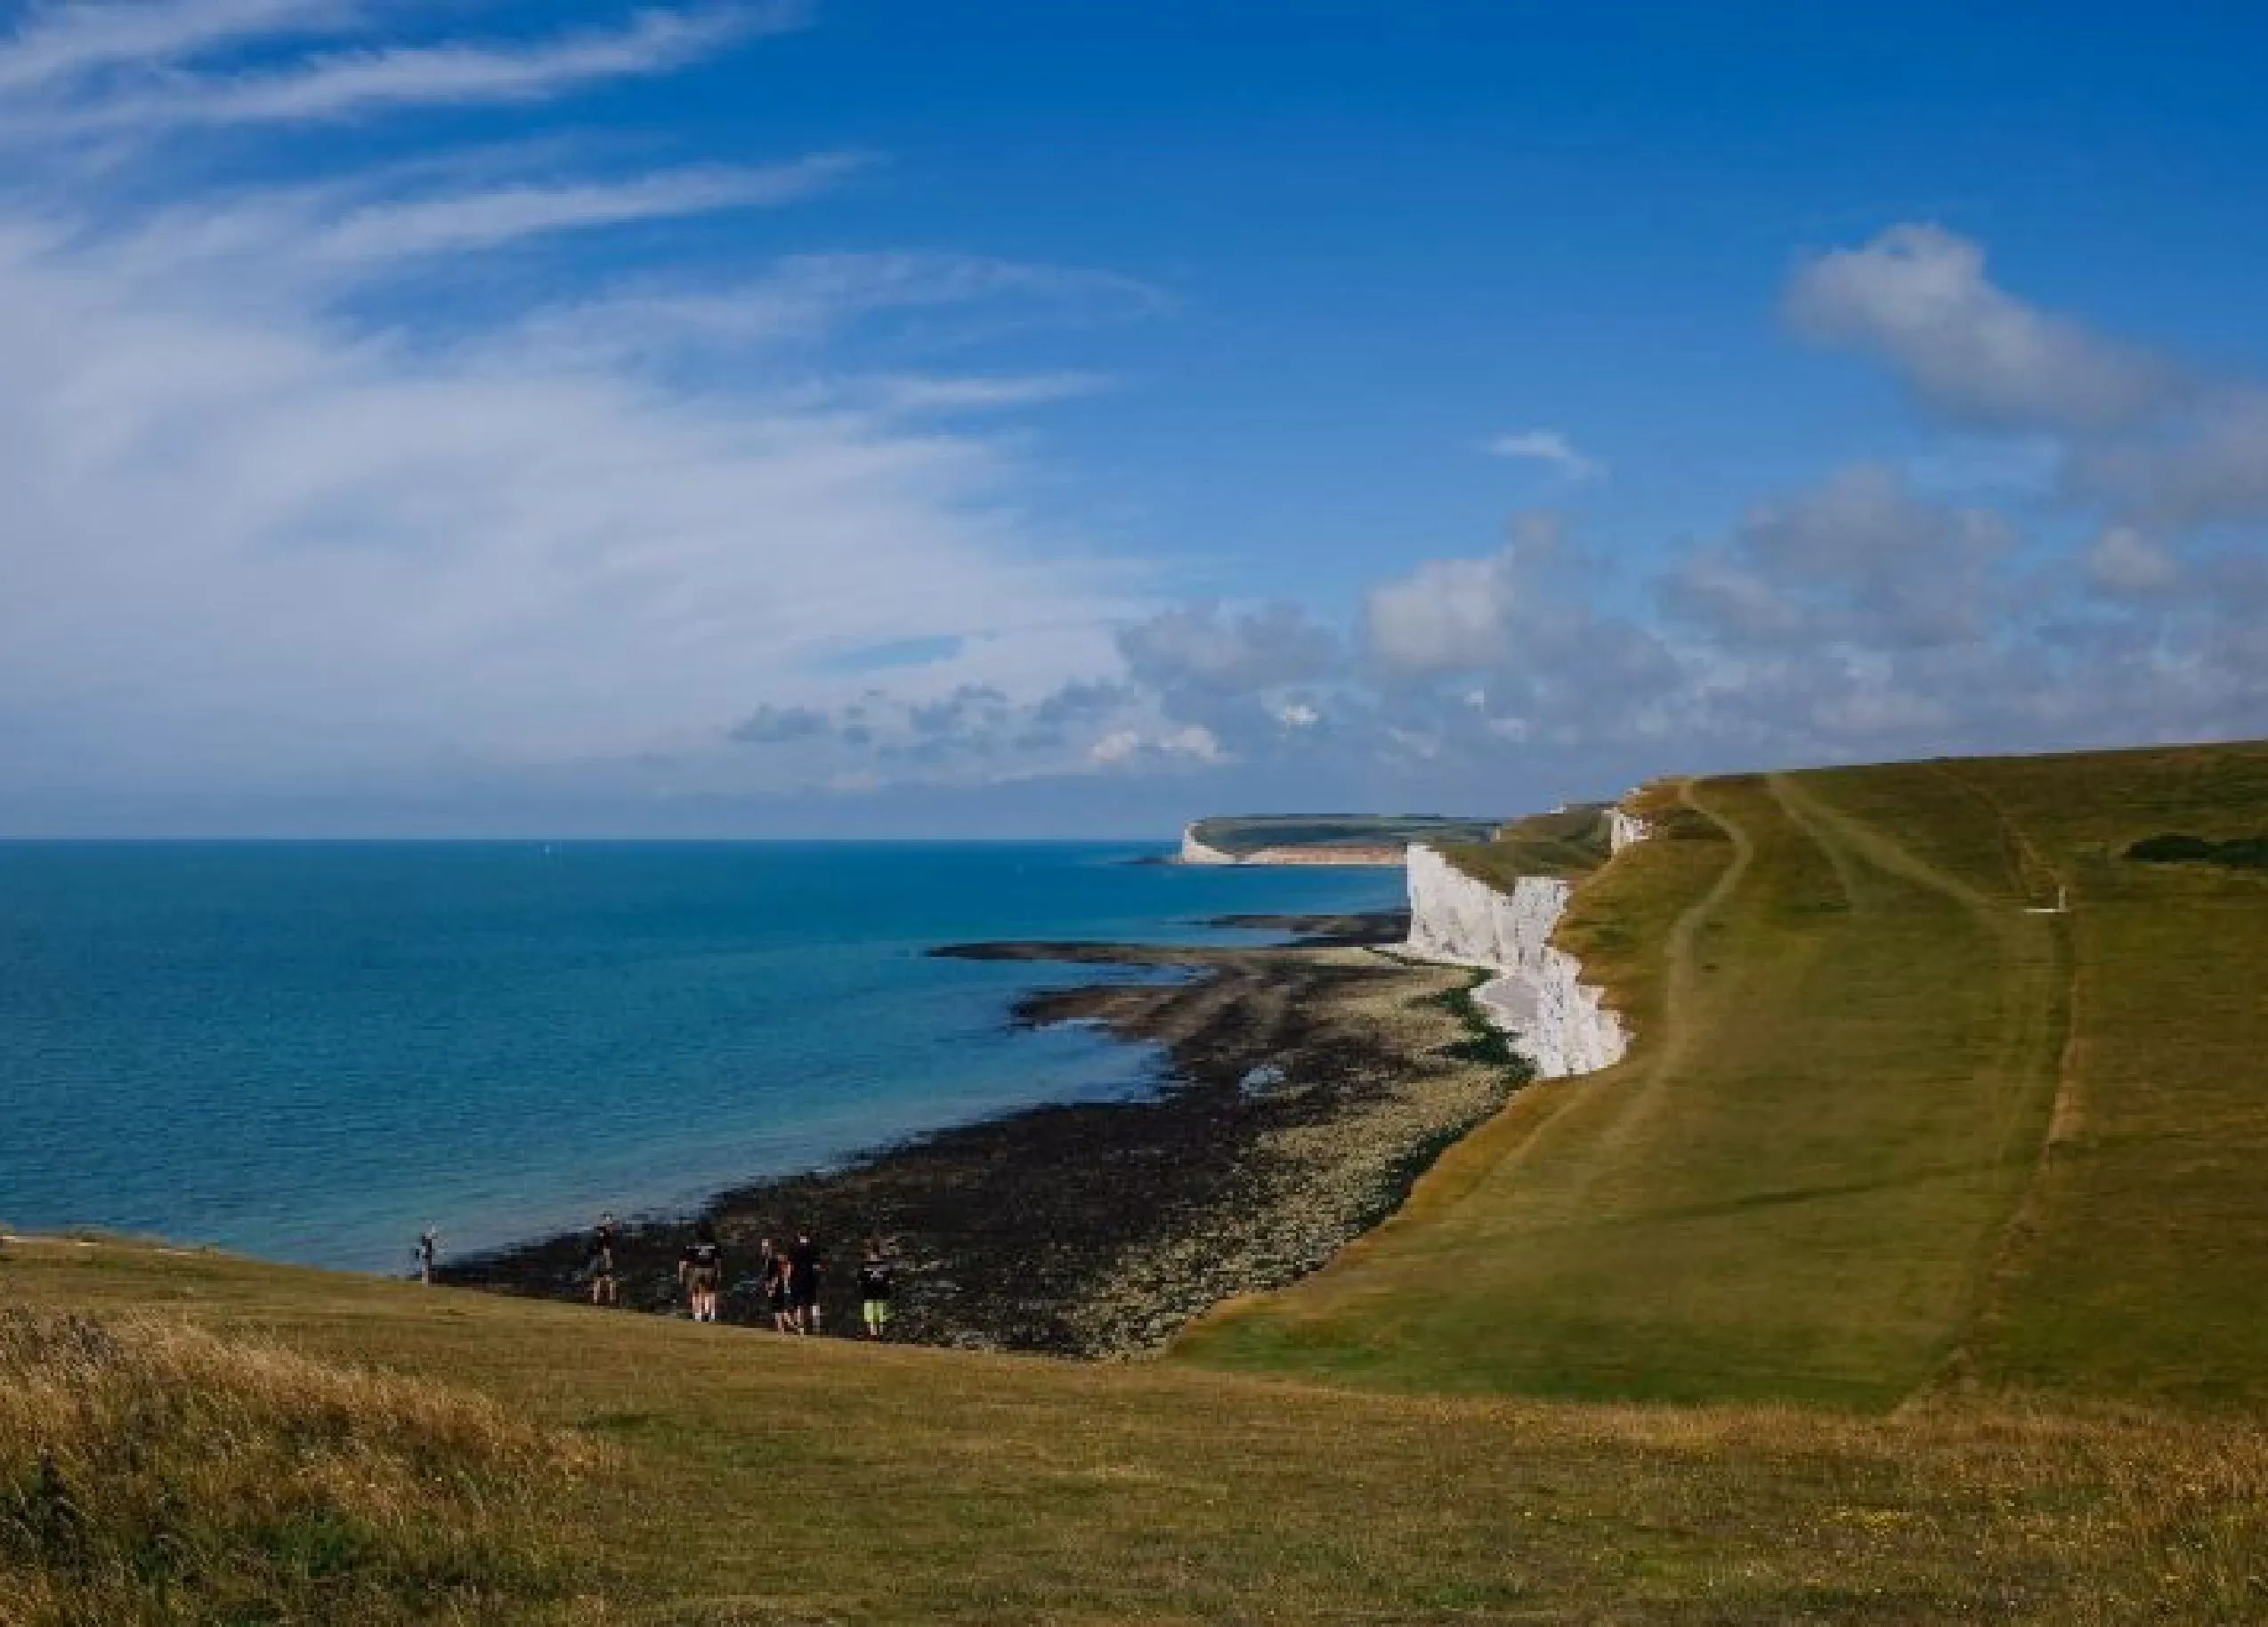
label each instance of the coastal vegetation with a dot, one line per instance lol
(1906, 1270)
(1483, 1042)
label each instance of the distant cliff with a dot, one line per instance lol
(1194, 851)
(1321, 838)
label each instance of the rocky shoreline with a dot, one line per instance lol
(1303, 1087)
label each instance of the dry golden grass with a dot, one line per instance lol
(150, 1470)
(751, 1479)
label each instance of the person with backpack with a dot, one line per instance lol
(700, 1271)
(604, 1289)
(804, 1288)
(877, 1278)
(778, 1276)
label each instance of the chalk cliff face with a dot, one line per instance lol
(1194, 852)
(1538, 998)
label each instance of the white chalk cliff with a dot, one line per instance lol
(1194, 852)
(1538, 997)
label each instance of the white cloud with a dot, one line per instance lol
(261, 540)
(1918, 298)
(1193, 742)
(1201, 648)
(1116, 747)
(59, 43)
(2205, 465)
(1551, 447)
(2123, 561)
(487, 219)
(914, 394)
(347, 83)
(1449, 615)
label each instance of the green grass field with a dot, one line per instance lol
(1908, 1270)
(1566, 842)
(1881, 1125)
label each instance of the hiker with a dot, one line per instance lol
(779, 1287)
(604, 1289)
(876, 1279)
(701, 1270)
(427, 1254)
(804, 1286)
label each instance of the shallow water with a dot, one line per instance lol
(308, 1051)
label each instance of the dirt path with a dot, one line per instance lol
(1592, 1119)
(2039, 976)
(1657, 1073)
(2065, 1115)
(2035, 970)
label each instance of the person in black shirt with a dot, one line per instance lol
(804, 1287)
(779, 1298)
(876, 1279)
(701, 1269)
(428, 1253)
(604, 1289)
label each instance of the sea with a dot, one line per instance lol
(311, 1051)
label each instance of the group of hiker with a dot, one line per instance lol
(789, 1279)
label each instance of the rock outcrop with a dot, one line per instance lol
(1537, 997)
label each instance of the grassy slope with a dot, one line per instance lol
(2138, 1268)
(1851, 1040)
(1568, 842)
(753, 1478)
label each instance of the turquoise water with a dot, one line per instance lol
(309, 1051)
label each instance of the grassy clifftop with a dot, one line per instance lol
(1883, 1126)
(1567, 843)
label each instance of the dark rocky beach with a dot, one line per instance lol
(1302, 1088)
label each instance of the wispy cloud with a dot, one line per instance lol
(802, 299)
(117, 75)
(979, 394)
(279, 520)
(57, 43)
(503, 214)
(1548, 446)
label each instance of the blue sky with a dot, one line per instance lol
(464, 417)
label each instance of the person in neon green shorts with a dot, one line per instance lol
(877, 1278)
